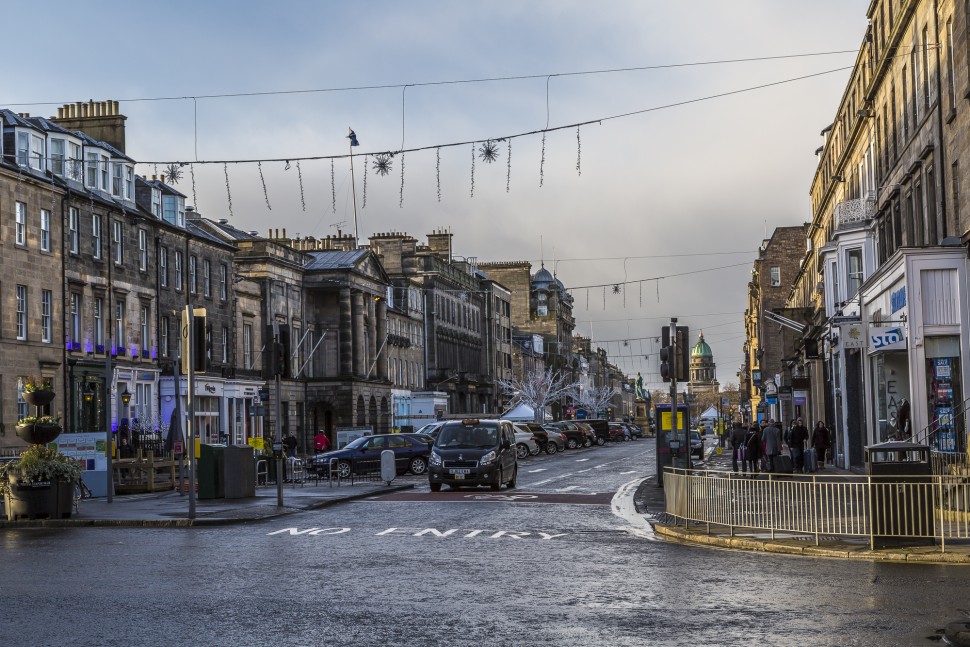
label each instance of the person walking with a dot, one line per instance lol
(796, 443)
(290, 443)
(752, 449)
(772, 440)
(320, 442)
(820, 441)
(737, 445)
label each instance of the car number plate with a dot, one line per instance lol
(459, 472)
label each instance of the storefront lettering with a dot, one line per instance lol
(897, 299)
(886, 339)
(210, 388)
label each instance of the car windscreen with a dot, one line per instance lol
(461, 436)
(355, 443)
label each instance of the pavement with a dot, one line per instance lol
(649, 501)
(171, 509)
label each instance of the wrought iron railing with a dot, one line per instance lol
(853, 212)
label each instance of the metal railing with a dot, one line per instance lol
(881, 509)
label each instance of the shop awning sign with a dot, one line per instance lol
(852, 335)
(883, 338)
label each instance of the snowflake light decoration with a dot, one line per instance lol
(174, 172)
(382, 164)
(616, 289)
(488, 152)
(626, 342)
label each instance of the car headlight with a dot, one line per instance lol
(435, 458)
(487, 458)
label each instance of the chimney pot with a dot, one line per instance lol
(161, 178)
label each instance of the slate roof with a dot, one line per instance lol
(334, 259)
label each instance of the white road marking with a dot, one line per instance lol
(541, 469)
(566, 489)
(630, 472)
(581, 460)
(596, 467)
(623, 507)
(543, 482)
(584, 471)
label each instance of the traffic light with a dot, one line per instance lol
(277, 351)
(283, 360)
(201, 336)
(675, 361)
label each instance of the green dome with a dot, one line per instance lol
(701, 349)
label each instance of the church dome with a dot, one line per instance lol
(543, 279)
(701, 349)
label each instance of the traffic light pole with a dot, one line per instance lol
(278, 444)
(674, 427)
(190, 400)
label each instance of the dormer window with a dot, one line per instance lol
(105, 161)
(156, 203)
(75, 166)
(57, 156)
(30, 150)
(117, 179)
(129, 183)
(91, 170)
(173, 209)
(542, 298)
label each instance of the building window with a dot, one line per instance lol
(178, 271)
(99, 322)
(225, 345)
(950, 76)
(57, 156)
(75, 167)
(853, 272)
(156, 203)
(21, 224)
(206, 278)
(129, 183)
(120, 324)
(75, 318)
(119, 246)
(23, 148)
(173, 210)
(21, 312)
(163, 334)
(45, 230)
(73, 218)
(163, 266)
(38, 156)
(96, 239)
(91, 170)
(142, 250)
(247, 346)
(22, 408)
(145, 339)
(223, 282)
(46, 298)
(117, 179)
(193, 285)
(775, 277)
(105, 161)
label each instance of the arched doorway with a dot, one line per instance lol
(361, 421)
(385, 426)
(372, 414)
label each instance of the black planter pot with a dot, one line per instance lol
(38, 433)
(47, 500)
(39, 398)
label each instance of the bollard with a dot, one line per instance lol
(388, 467)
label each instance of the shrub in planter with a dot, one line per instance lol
(38, 391)
(38, 464)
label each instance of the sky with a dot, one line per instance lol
(663, 178)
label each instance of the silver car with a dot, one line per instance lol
(525, 444)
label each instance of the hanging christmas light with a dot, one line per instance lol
(400, 203)
(508, 167)
(382, 163)
(173, 172)
(259, 165)
(333, 188)
(225, 170)
(437, 170)
(299, 175)
(542, 161)
(473, 170)
(488, 151)
(365, 182)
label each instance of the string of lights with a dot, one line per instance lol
(656, 278)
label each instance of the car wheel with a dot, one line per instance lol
(600, 441)
(344, 469)
(435, 487)
(587, 443)
(497, 485)
(626, 438)
(551, 448)
(515, 474)
(418, 465)
(521, 450)
(536, 451)
(572, 444)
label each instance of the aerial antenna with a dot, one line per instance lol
(542, 258)
(338, 225)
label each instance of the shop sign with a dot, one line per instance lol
(852, 335)
(771, 390)
(897, 299)
(800, 398)
(756, 376)
(882, 338)
(785, 393)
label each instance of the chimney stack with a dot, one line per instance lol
(100, 120)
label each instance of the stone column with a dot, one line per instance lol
(346, 334)
(382, 339)
(357, 315)
(372, 342)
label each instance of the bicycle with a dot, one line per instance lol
(81, 491)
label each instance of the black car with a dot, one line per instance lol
(474, 452)
(575, 437)
(363, 455)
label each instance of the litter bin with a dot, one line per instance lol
(209, 471)
(239, 472)
(901, 490)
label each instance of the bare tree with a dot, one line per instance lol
(593, 398)
(537, 389)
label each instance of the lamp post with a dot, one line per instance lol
(126, 400)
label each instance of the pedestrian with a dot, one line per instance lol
(737, 445)
(820, 441)
(796, 442)
(752, 449)
(320, 442)
(289, 443)
(772, 440)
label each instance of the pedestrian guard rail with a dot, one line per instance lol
(885, 510)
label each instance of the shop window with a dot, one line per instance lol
(944, 394)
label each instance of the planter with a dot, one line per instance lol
(39, 398)
(38, 433)
(45, 500)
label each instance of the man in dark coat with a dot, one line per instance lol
(772, 439)
(752, 449)
(796, 442)
(737, 445)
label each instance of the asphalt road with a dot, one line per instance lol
(552, 566)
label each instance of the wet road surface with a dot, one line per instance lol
(454, 569)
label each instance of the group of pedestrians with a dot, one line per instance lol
(757, 448)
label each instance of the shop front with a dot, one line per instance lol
(225, 411)
(917, 340)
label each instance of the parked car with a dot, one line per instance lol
(588, 430)
(424, 438)
(431, 428)
(635, 429)
(575, 437)
(474, 452)
(526, 444)
(601, 428)
(620, 432)
(542, 436)
(696, 444)
(363, 455)
(557, 441)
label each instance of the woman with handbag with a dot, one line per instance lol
(820, 441)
